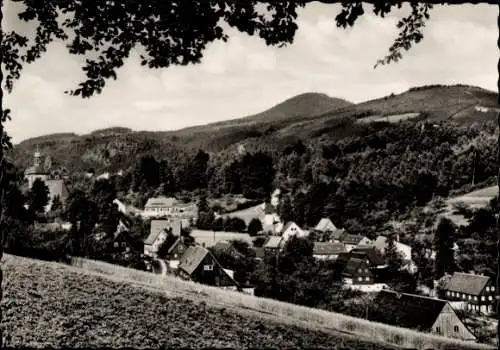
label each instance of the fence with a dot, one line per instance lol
(378, 332)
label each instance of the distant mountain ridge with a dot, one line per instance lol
(304, 116)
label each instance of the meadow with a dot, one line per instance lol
(52, 305)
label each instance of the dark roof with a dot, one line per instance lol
(466, 283)
(370, 253)
(321, 248)
(192, 258)
(406, 310)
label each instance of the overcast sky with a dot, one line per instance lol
(243, 76)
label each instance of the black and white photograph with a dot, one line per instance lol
(234, 174)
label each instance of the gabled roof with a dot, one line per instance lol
(406, 310)
(321, 248)
(288, 225)
(352, 239)
(175, 244)
(57, 188)
(381, 243)
(466, 283)
(194, 255)
(158, 226)
(337, 234)
(273, 242)
(325, 225)
(192, 258)
(161, 202)
(370, 253)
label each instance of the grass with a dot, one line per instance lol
(53, 305)
(294, 315)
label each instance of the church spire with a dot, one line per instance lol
(37, 157)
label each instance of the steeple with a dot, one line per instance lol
(37, 157)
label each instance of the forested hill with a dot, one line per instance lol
(304, 117)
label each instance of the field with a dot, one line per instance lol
(474, 200)
(389, 118)
(52, 305)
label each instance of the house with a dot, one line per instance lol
(419, 313)
(266, 214)
(158, 234)
(476, 292)
(170, 207)
(354, 271)
(199, 265)
(369, 253)
(404, 250)
(327, 250)
(175, 252)
(57, 188)
(352, 241)
(292, 229)
(210, 238)
(273, 244)
(325, 225)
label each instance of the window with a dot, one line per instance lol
(475, 298)
(115, 244)
(175, 255)
(367, 279)
(483, 298)
(487, 289)
(360, 279)
(366, 270)
(359, 270)
(470, 297)
(455, 328)
(490, 297)
(448, 293)
(492, 288)
(208, 267)
(438, 330)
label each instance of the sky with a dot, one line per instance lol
(244, 76)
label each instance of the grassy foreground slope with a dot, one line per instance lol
(51, 305)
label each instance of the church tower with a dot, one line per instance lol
(36, 171)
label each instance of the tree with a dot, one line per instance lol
(93, 26)
(165, 246)
(39, 196)
(443, 244)
(254, 227)
(235, 225)
(393, 258)
(56, 204)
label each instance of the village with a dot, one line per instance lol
(176, 246)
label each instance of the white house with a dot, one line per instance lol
(170, 207)
(158, 234)
(403, 249)
(292, 229)
(325, 225)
